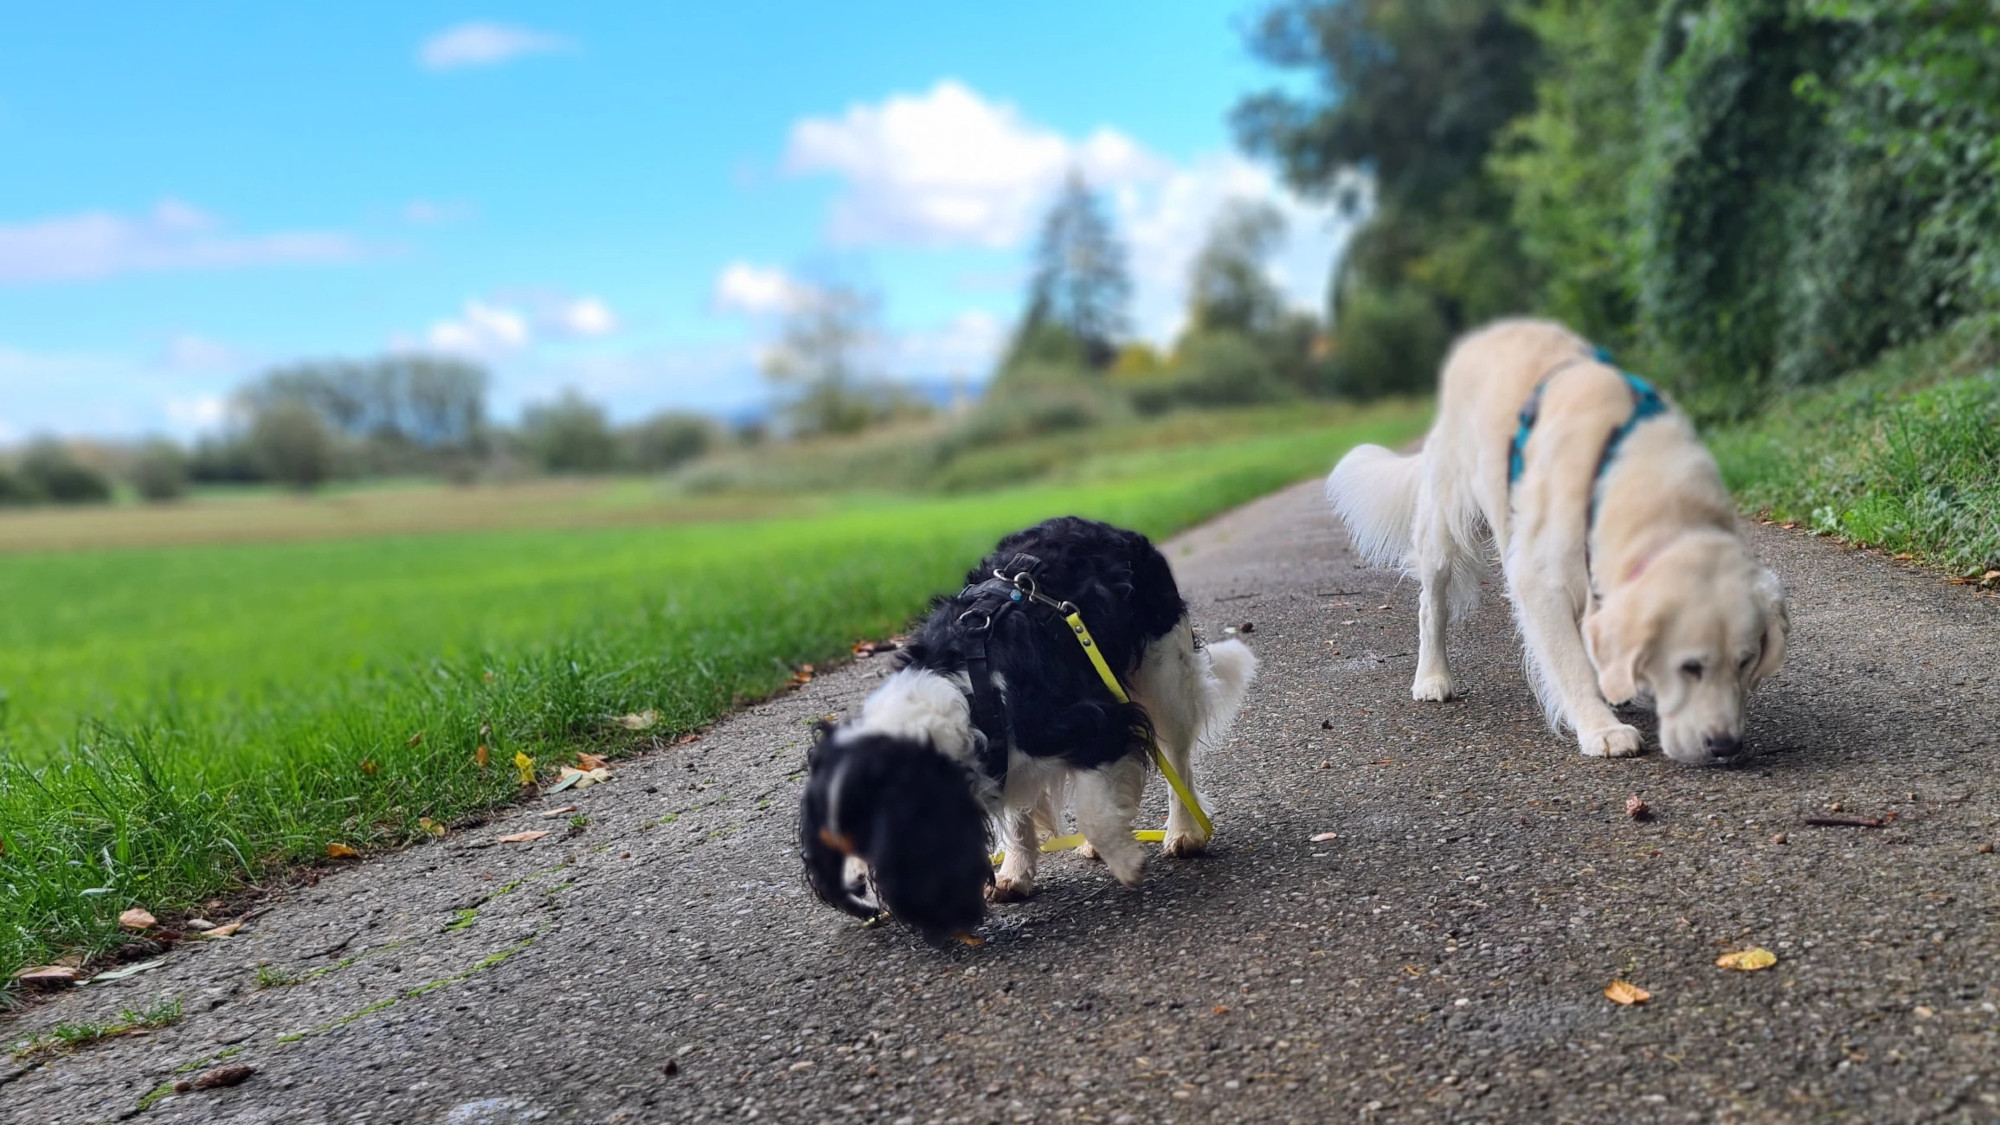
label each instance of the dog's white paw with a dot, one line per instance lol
(1434, 688)
(1616, 741)
(1006, 889)
(1183, 843)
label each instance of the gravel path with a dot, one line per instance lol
(1443, 956)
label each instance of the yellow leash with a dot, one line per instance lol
(1167, 770)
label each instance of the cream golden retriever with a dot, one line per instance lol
(1619, 543)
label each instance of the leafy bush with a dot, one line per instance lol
(53, 474)
(1220, 368)
(16, 492)
(667, 440)
(293, 445)
(159, 471)
(569, 435)
(1388, 341)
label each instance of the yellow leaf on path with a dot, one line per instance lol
(1748, 960)
(639, 720)
(137, 919)
(1626, 993)
(341, 851)
(525, 766)
(523, 837)
(431, 826)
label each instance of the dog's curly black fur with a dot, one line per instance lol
(916, 814)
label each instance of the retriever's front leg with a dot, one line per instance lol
(1016, 878)
(1563, 677)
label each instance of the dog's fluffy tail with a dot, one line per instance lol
(1374, 492)
(1231, 667)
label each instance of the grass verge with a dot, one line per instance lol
(1903, 455)
(183, 721)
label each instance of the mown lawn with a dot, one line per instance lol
(180, 721)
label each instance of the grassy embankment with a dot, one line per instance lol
(181, 720)
(1903, 455)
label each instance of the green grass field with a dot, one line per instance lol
(179, 721)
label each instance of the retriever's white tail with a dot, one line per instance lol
(1374, 492)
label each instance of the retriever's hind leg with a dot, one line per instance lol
(1436, 555)
(1107, 799)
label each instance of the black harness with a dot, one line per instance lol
(1012, 589)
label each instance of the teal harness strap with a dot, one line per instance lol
(1646, 403)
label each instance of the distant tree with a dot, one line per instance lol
(293, 444)
(821, 363)
(1229, 287)
(570, 435)
(15, 492)
(1080, 285)
(396, 413)
(668, 439)
(1413, 94)
(226, 458)
(54, 473)
(159, 471)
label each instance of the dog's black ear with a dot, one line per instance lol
(930, 850)
(825, 863)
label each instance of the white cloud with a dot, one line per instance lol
(949, 167)
(173, 235)
(481, 329)
(486, 44)
(425, 212)
(584, 316)
(965, 346)
(756, 290)
(198, 413)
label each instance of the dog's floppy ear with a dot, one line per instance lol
(1615, 645)
(1770, 595)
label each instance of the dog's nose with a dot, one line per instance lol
(1722, 747)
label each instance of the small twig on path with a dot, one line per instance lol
(1850, 821)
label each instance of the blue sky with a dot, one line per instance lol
(617, 197)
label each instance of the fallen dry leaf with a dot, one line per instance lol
(369, 767)
(525, 766)
(341, 851)
(1638, 809)
(137, 919)
(1323, 837)
(595, 777)
(47, 976)
(124, 971)
(558, 812)
(1748, 960)
(1626, 993)
(415, 741)
(522, 837)
(639, 720)
(479, 756)
(588, 762)
(211, 1079)
(566, 776)
(431, 826)
(223, 930)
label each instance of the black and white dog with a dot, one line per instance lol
(995, 714)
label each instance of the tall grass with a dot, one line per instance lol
(184, 721)
(1904, 454)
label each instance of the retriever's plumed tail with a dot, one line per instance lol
(1374, 492)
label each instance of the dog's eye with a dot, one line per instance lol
(1744, 664)
(1693, 669)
